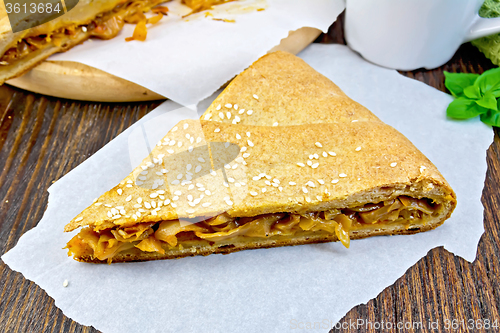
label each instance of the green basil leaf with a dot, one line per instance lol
(491, 118)
(472, 92)
(457, 82)
(488, 101)
(489, 81)
(464, 108)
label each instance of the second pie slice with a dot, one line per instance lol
(306, 165)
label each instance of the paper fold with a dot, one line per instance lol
(187, 60)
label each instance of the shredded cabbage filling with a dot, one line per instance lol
(222, 229)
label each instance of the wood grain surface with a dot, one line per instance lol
(41, 139)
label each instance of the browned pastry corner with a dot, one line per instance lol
(281, 157)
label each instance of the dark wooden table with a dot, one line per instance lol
(43, 138)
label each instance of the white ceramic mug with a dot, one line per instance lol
(410, 34)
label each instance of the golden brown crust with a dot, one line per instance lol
(290, 92)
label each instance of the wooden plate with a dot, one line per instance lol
(91, 84)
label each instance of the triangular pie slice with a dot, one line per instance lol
(328, 170)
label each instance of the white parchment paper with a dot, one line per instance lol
(187, 60)
(267, 290)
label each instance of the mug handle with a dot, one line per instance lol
(482, 27)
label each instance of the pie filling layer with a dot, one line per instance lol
(224, 230)
(105, 26)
